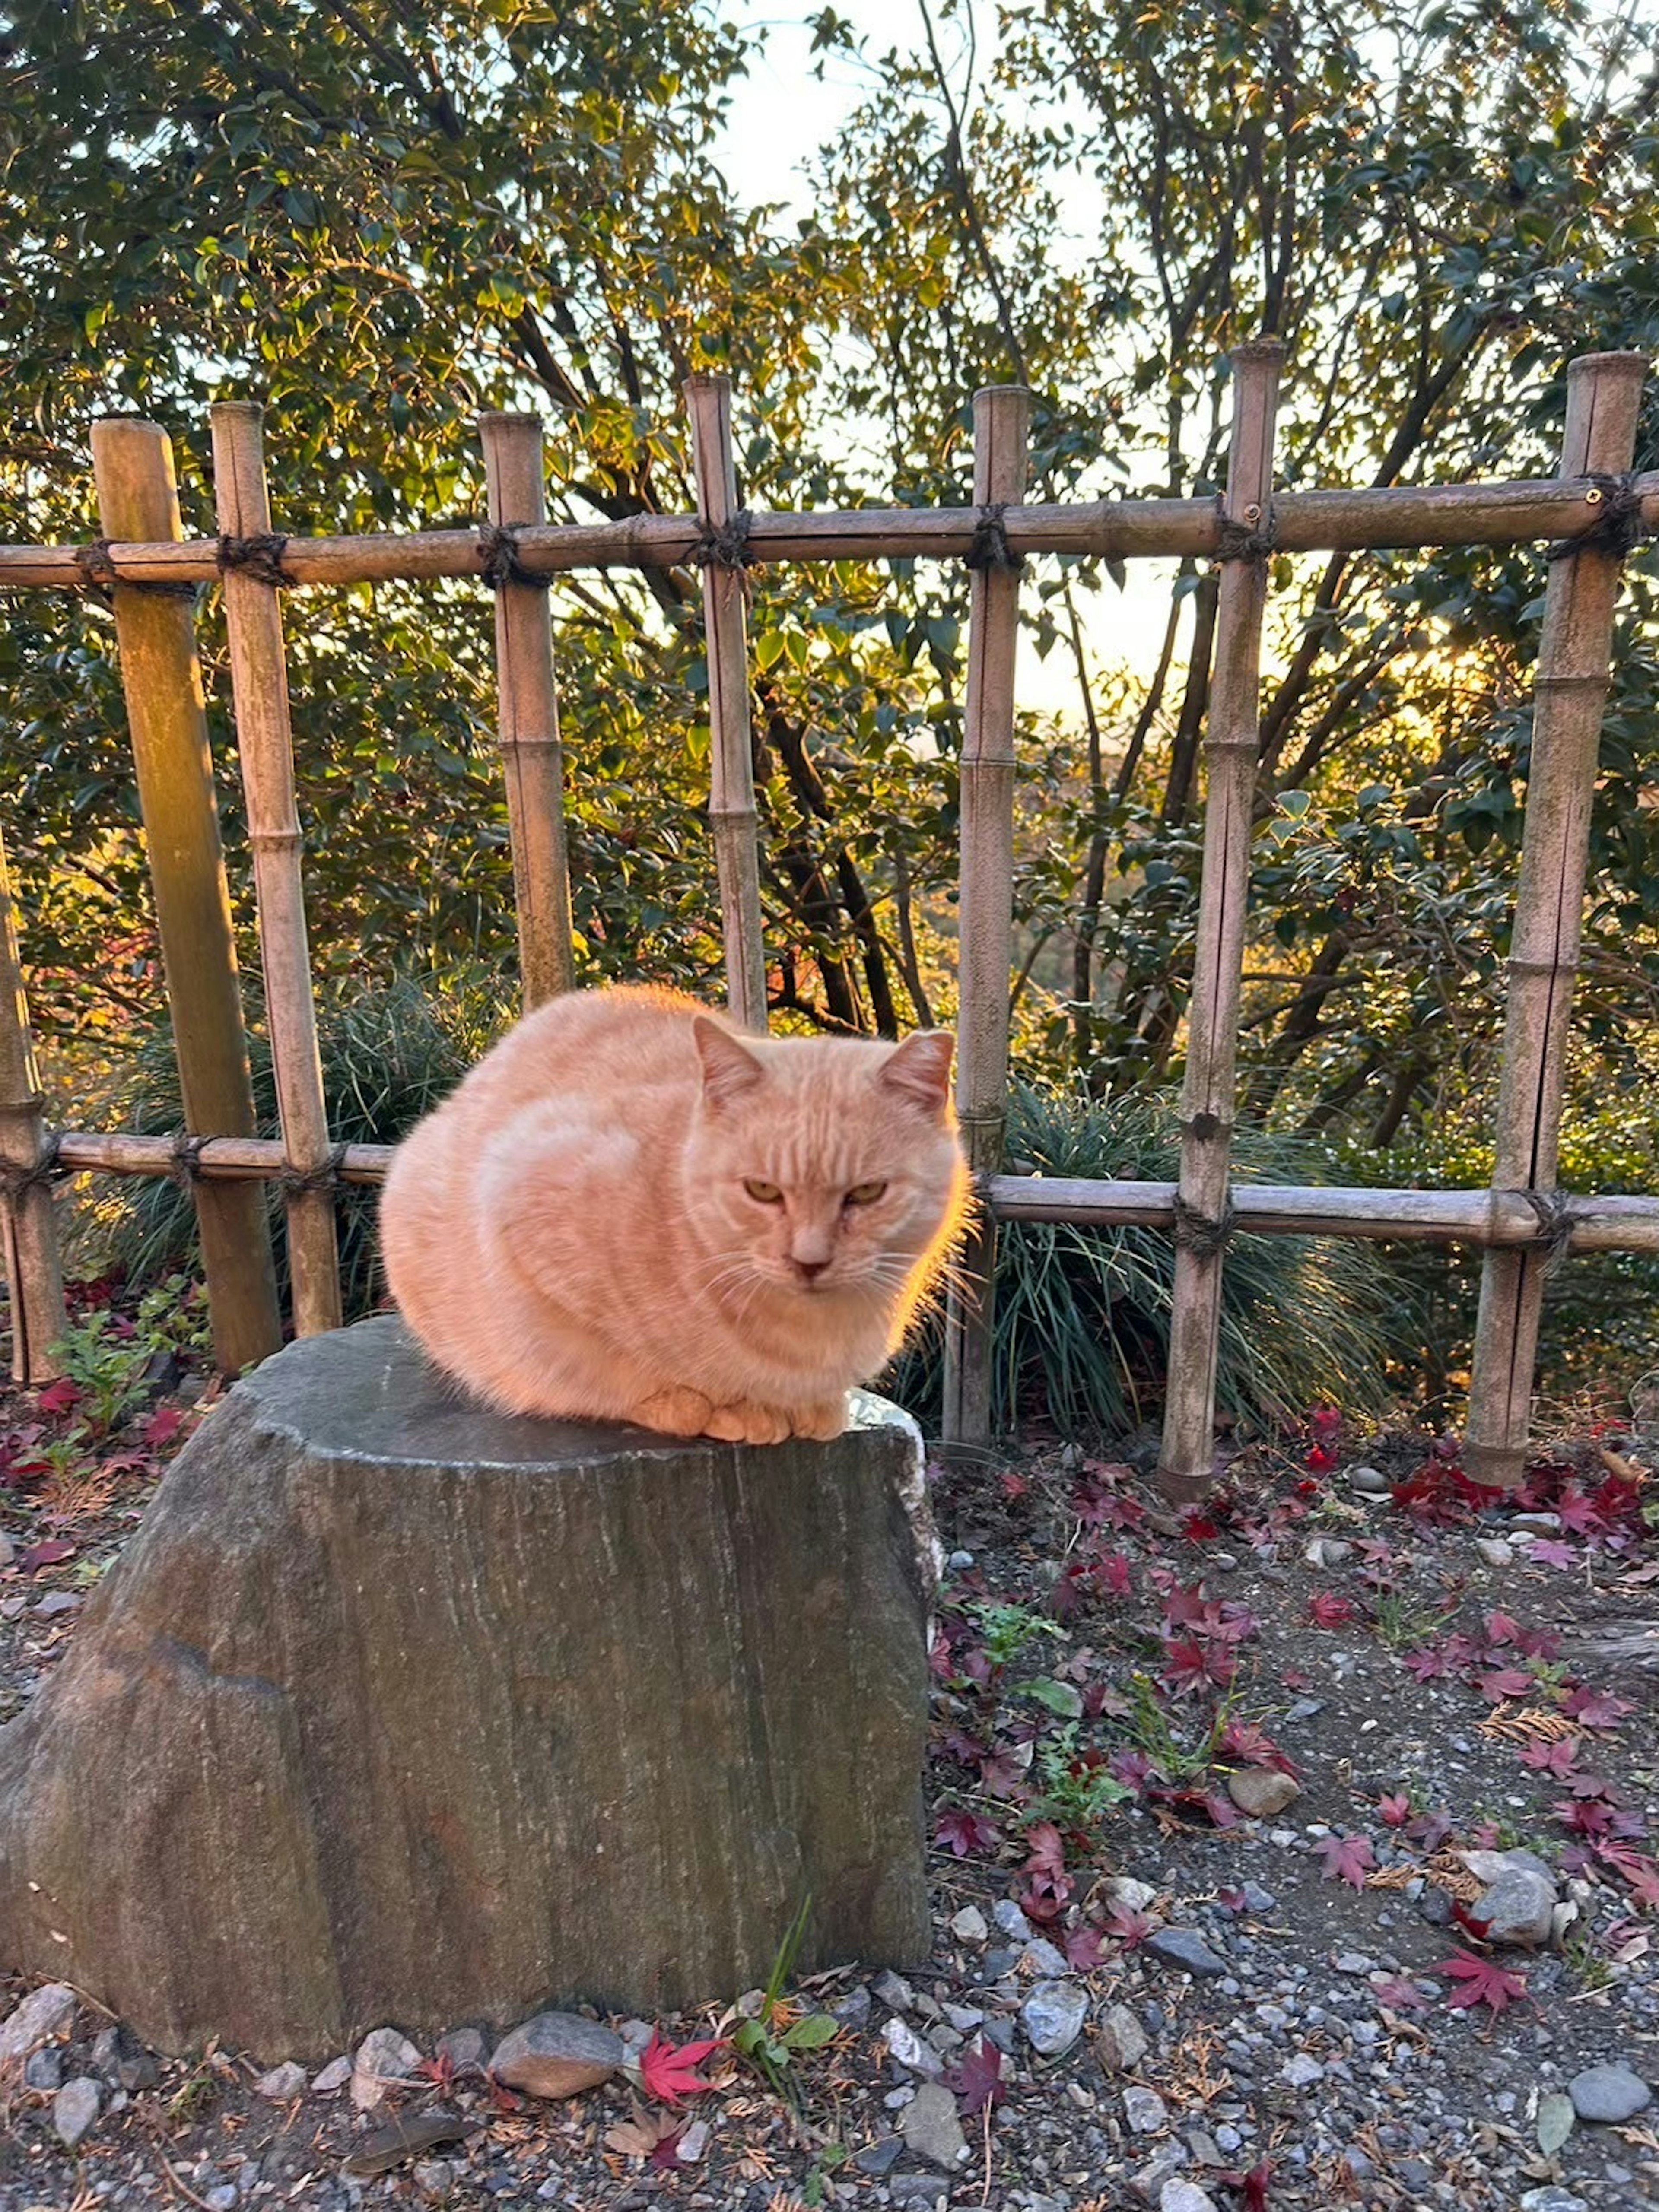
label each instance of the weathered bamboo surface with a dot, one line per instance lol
(532, 759)
(732, 811)
(265, 751)
(28, 1232)
(1615, 1224)
(1500, 1219)
(1604, 397)
(1364, 518)
(1231, 749)
(1002, 419)
(132, 461)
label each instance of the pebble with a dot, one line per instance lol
(1519, 1908)
(1327, 1550)
(1552, 2200)
(556, 2054)
(282, 2084)
(1184, 2197)
(1185, 1947)
(1134, 1896)
(44, 2069)
(1041, 1957)
(1609, 2094)
(1262, 1791)
(909, 2049)
(959, 1562)
(383, 2056)
(1120, 2041)
(43, 2014)
(1301, 2071)
(1011, 1920)
(880, 2157)
(1164, 2164)
(931, 2128)
(693, 2143)
(433, 2179)
(918, 2189)
(1145, 2111)
(469, 2046)
(1494, 1551)
(74, 2108)
(333, 2077)
(969, 1926)
(1370, 1481)
(1257, 1899)
(1053, 2016)
(895, 1992)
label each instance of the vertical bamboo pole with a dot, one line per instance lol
(1001, 425)
(34, 1273)
(532, 756)
(732, 794)
(155, 629)
(1604, 393)
(264, 747)
(1206, 1098)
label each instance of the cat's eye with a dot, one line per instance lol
(864, 1194)
(767, 1193)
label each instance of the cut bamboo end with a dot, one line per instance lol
(528, 713)
(732, 772)
(1188, 1454)
(264, 749)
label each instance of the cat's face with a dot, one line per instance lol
(819, 1166)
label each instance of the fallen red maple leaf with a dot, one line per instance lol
(1399, 1995)
(965, 1834)
(669, 2073)
(1501, 1682)
(48, 1554)
(975, 2081)
(1549, 1554)
(1395, 1810)
(1501, 1629)
(1481, 1981)
(1082, 1949)
(1346, 1858)
(1254, 2185)
(1330, 1611)
(59, 1397)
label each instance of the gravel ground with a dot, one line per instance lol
(1202, 1794)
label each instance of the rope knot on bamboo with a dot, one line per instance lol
(1618, 528)
(725, 545)
(500, 562)
(1553, 1211)
(184, 1162)
(259, 556)
(988, 549)
(100, 575)
(1200, 1233)
(295, 1182)
(15, 1179)
(1243, 541)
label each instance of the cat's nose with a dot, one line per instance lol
(809, 1270)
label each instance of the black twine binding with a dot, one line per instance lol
(1243, 541)
(1618, 529)
(325, 1175)
(988, 549)
(260, 556)
(100, 576)
(15, 1181)
(724, 544)
(498, 557)
(1553, 1210)
(1197, 1233)
(184, 1167)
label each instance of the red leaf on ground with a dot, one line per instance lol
(1634, 1868)
(1580, 1514)
(1428, 1665)
(1254, 2185)
(1597, 1709)
(1399, 1995)
(975, 2081)
(1128, 1927)
(1013, 1485)
(162, 1426)
(1245, 1743)
(1395, 1810)
(1082, 1949)
(1346, 1859)
(1047, 1851)
(46, 1554)
(669, 2073)
(59, 1397)
(1330, 1611)
(1560, 1759)
(1550, 1553)
(1502, 1682)
(1501, 1629)
(965, 1834)
(1481, 1981)
(665, 2152)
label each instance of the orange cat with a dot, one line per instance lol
(632, 1211)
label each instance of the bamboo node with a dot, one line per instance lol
(499, 559)
(325, 1177)
(100, 576)
(184, 1162)
(1206, 1127)
(1553, 1211)
(724, 544)
(988, 549)
(259, 556)
(1200, 1233)
(1243, 541)
(15, 1179)
(1618, 526)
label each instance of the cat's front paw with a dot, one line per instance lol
(743, 1422)
(674, 1413)
(822, 1422)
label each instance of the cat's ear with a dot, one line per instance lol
(920, 1070)
(729, 1068)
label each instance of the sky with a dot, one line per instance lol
(781, 116)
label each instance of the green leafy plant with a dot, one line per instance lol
(1010, 1629)
(107, 1370)
(771, 2042)
(1074, 1792)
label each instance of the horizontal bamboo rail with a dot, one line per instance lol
(1495, 1218)
(1391, 518)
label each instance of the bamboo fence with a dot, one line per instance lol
(1592, 514)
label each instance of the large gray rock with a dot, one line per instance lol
(398, 1710)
